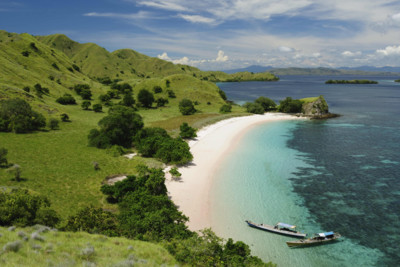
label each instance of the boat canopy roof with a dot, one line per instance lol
(286, 225)
(326, 234)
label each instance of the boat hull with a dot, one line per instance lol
(311, 241)
(270, 228)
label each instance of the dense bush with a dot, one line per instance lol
(207, 249)
(186, 107)
(104, 80)
(161, 102)
(66, 99)
(157, 89)
(86, 104)
(289, 105)
(254, 108)
(267, 103)
(225, 108)
(16, 115)
(117, 128)
(64, 117)
(94, 221)
(187, 131)
(54, 124)
(18, 207)
(128, 99)
(97, 108)
(171, 94)
(145, 98)
(122, 88)
(83, 90)
(155, 142)
(146, 212)
(222, 94)
(3, 157)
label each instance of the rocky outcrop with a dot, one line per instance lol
(317, 108)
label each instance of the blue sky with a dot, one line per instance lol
(224, 34)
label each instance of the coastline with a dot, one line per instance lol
(191, 192)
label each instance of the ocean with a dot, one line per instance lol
(339, 175)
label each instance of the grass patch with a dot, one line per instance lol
(78, 249)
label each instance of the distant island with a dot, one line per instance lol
(397, 81)
(350, 82)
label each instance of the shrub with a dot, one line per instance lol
(171, 94)
(161, 102)
(66, 99)
(18, 207)
(16, 171)
(254, 108)
(83, 90)
(187, 131)
(27, 89)
(86, 104)
(174, 172)
(267, 103)
(55, 66)
(118, 128)
(76, 67)
(54, 124)
(145, 98)
(289, 105)
(222, 94)
(14, 246)
(25, 53)
(16, 115)
(225, 108)
(97, 108)
(186, 107)
(64, 117)
(3, 157)
(41, 90)
(157, 89)
(128, 99)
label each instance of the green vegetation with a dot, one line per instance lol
(145, 98)
(254, 108)
(186, 107)
(225, 108)
(289, 105)
(61, 166)
(43, 246)
(187, 131)
(66, 99)
(350, 82)
(397, 81)
(16, 115)
(267, 103)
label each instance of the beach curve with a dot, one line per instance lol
(191, 192)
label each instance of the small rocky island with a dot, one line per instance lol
(316, 108)
(350, 82)
(397, 81)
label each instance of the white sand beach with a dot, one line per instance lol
(191, 192)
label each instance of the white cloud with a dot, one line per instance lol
(396, 17)
(164, 56)
(221, 57)
(351, 54)
(168, 5)
(285, 49)
(197, 19)
(389, 51)
(139, 15)
(317, 54)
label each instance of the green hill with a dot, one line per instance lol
(41, 246)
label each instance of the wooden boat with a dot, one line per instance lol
(317, 239)
(279, 228)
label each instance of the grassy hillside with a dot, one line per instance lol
(37, 246)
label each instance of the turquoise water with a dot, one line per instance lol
(341, 175)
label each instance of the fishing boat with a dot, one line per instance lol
(279, 228)
(317, 239)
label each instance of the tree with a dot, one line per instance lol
(18, 207)
(222, 94)
(161, 102)
(145, 98)
(186, 107)
(128, 99)
(254, 108)
(187, 131)
(86, 104)
(54, 124)
(267, 103)
(66, 99)
(117, 128)
(97, 108)
(64, 117)
(16, 115)
(289, 105)
(225, 108)
(3, 157)
(157, 89)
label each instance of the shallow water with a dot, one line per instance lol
(341, 174)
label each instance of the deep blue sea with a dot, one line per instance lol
(339, 175)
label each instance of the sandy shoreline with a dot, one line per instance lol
(191, 192)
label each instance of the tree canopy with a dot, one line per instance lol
(145, 98)
(289, 105)
(267, 103)
(186, 107)
(118, 128)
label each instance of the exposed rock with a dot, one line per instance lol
(319, 107)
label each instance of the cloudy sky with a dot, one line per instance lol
(224, 34)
